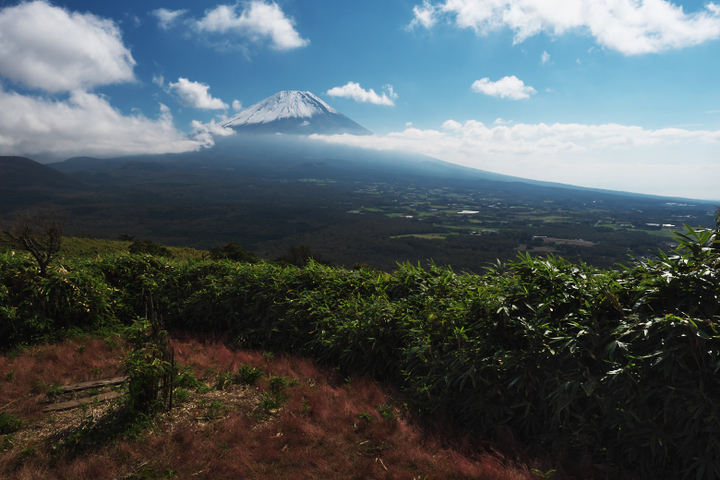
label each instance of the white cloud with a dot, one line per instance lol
(669, 161)
(545, 57)
(452, 125)
(194, 94)
(158, 80)
(628, 26)
(84, 124)
(205, 132)
(166, 18)
(425, 15)
(500, 121)
(357, 93)
(237, 105)
(49, 48)
(256, 22)
(408, 124)
(506, 87)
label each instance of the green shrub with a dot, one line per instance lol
(150, 367)
(9, 423)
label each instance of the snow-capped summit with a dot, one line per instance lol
(291, 111)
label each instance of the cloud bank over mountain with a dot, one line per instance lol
(617, 156)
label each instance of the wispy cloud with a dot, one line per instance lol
(507, 87)
(195, 94)
(545, 57)
(356, 92)
(628, 26)
(167, 18)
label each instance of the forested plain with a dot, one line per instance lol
(380, 220)
(573, 320)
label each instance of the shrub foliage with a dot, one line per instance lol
(622, 364)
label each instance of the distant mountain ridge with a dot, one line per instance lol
(20, 173)
(293, 112)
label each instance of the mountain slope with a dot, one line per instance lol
(20, 173)
(293, 112)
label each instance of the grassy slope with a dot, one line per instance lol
(329, 427)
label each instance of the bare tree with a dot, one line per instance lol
(38, 231)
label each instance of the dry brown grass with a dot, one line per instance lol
(327, 427)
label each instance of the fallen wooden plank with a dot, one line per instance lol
(76, 403)
(93, 384)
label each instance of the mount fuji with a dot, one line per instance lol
(293, 112)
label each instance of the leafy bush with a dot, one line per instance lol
(233, 252)
(622, 364)
(9, 423)
(150, 248)
(150, 367)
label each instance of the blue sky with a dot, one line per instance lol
(619, 94)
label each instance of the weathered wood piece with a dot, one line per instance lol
(75, 387)
(76, 403)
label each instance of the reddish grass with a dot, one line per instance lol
(319, 433)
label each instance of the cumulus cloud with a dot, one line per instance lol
(669, 161)
(628, 26)
(84, 124)
(205, 132)
(194, 94)
(507, 87)
(166, 18)
(425, 15)
(356, 92)
(237, 105)
(49, 48)
(256, 22)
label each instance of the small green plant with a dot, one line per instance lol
(224, 380)
(203, 388)
(386, 411)
(248, 375)
(9, 423)
(81, 349)
(112, 342)
(305, 408)
(6, 442)
(185, 379)
(269, 357)
(181, 395)
(54, 389)
(277, 384)
(366, 416)
(272, 401)
(9, 375)
(28, 451)
(216, 409)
